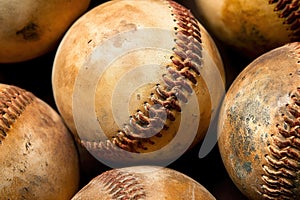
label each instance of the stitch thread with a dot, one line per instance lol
(184, 67)
(13, 101)
(290, 11)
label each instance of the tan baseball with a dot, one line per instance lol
(32, 28)
(145, 94)
(252, 27)
(143, 182)
(259, 139)
(38, 156)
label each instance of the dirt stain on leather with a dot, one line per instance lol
(29, 32)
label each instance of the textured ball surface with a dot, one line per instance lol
(140, 76)
(38, 157)
(259, 126)
(143, 182)
(32, 28)
(252, 27)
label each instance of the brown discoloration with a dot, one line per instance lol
(38, 156)
(252, 27)
(143, 183)
(30, 32)
(33, 28)
(280, 177)
(259, 126)
(183, 70)
(174, 86)
(243, 22)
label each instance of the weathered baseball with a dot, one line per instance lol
(32, 28)
(143, 182)
(38, 157)
(252, 27)
(259, 138)
(139, 73)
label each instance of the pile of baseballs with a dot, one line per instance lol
(156, 99)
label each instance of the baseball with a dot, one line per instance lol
(259, 126)
(38, 156)
(143, 182)
(251, 27)
(32, 28)
(131, 76)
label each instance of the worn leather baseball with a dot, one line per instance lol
(143, 182)
(252, 27)
(142, 71)
(259, 138)
(32, 28)
(38, 156)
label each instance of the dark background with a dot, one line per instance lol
(35, 76)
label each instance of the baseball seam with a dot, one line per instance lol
(283, 165)
(121, 185)
(184, 67)
(13, 102)
(289, 10)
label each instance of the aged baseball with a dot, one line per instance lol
(143, 182)
(32, 28)
(38, 156)
(259, 138)
(252, 27)
(128, 80)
